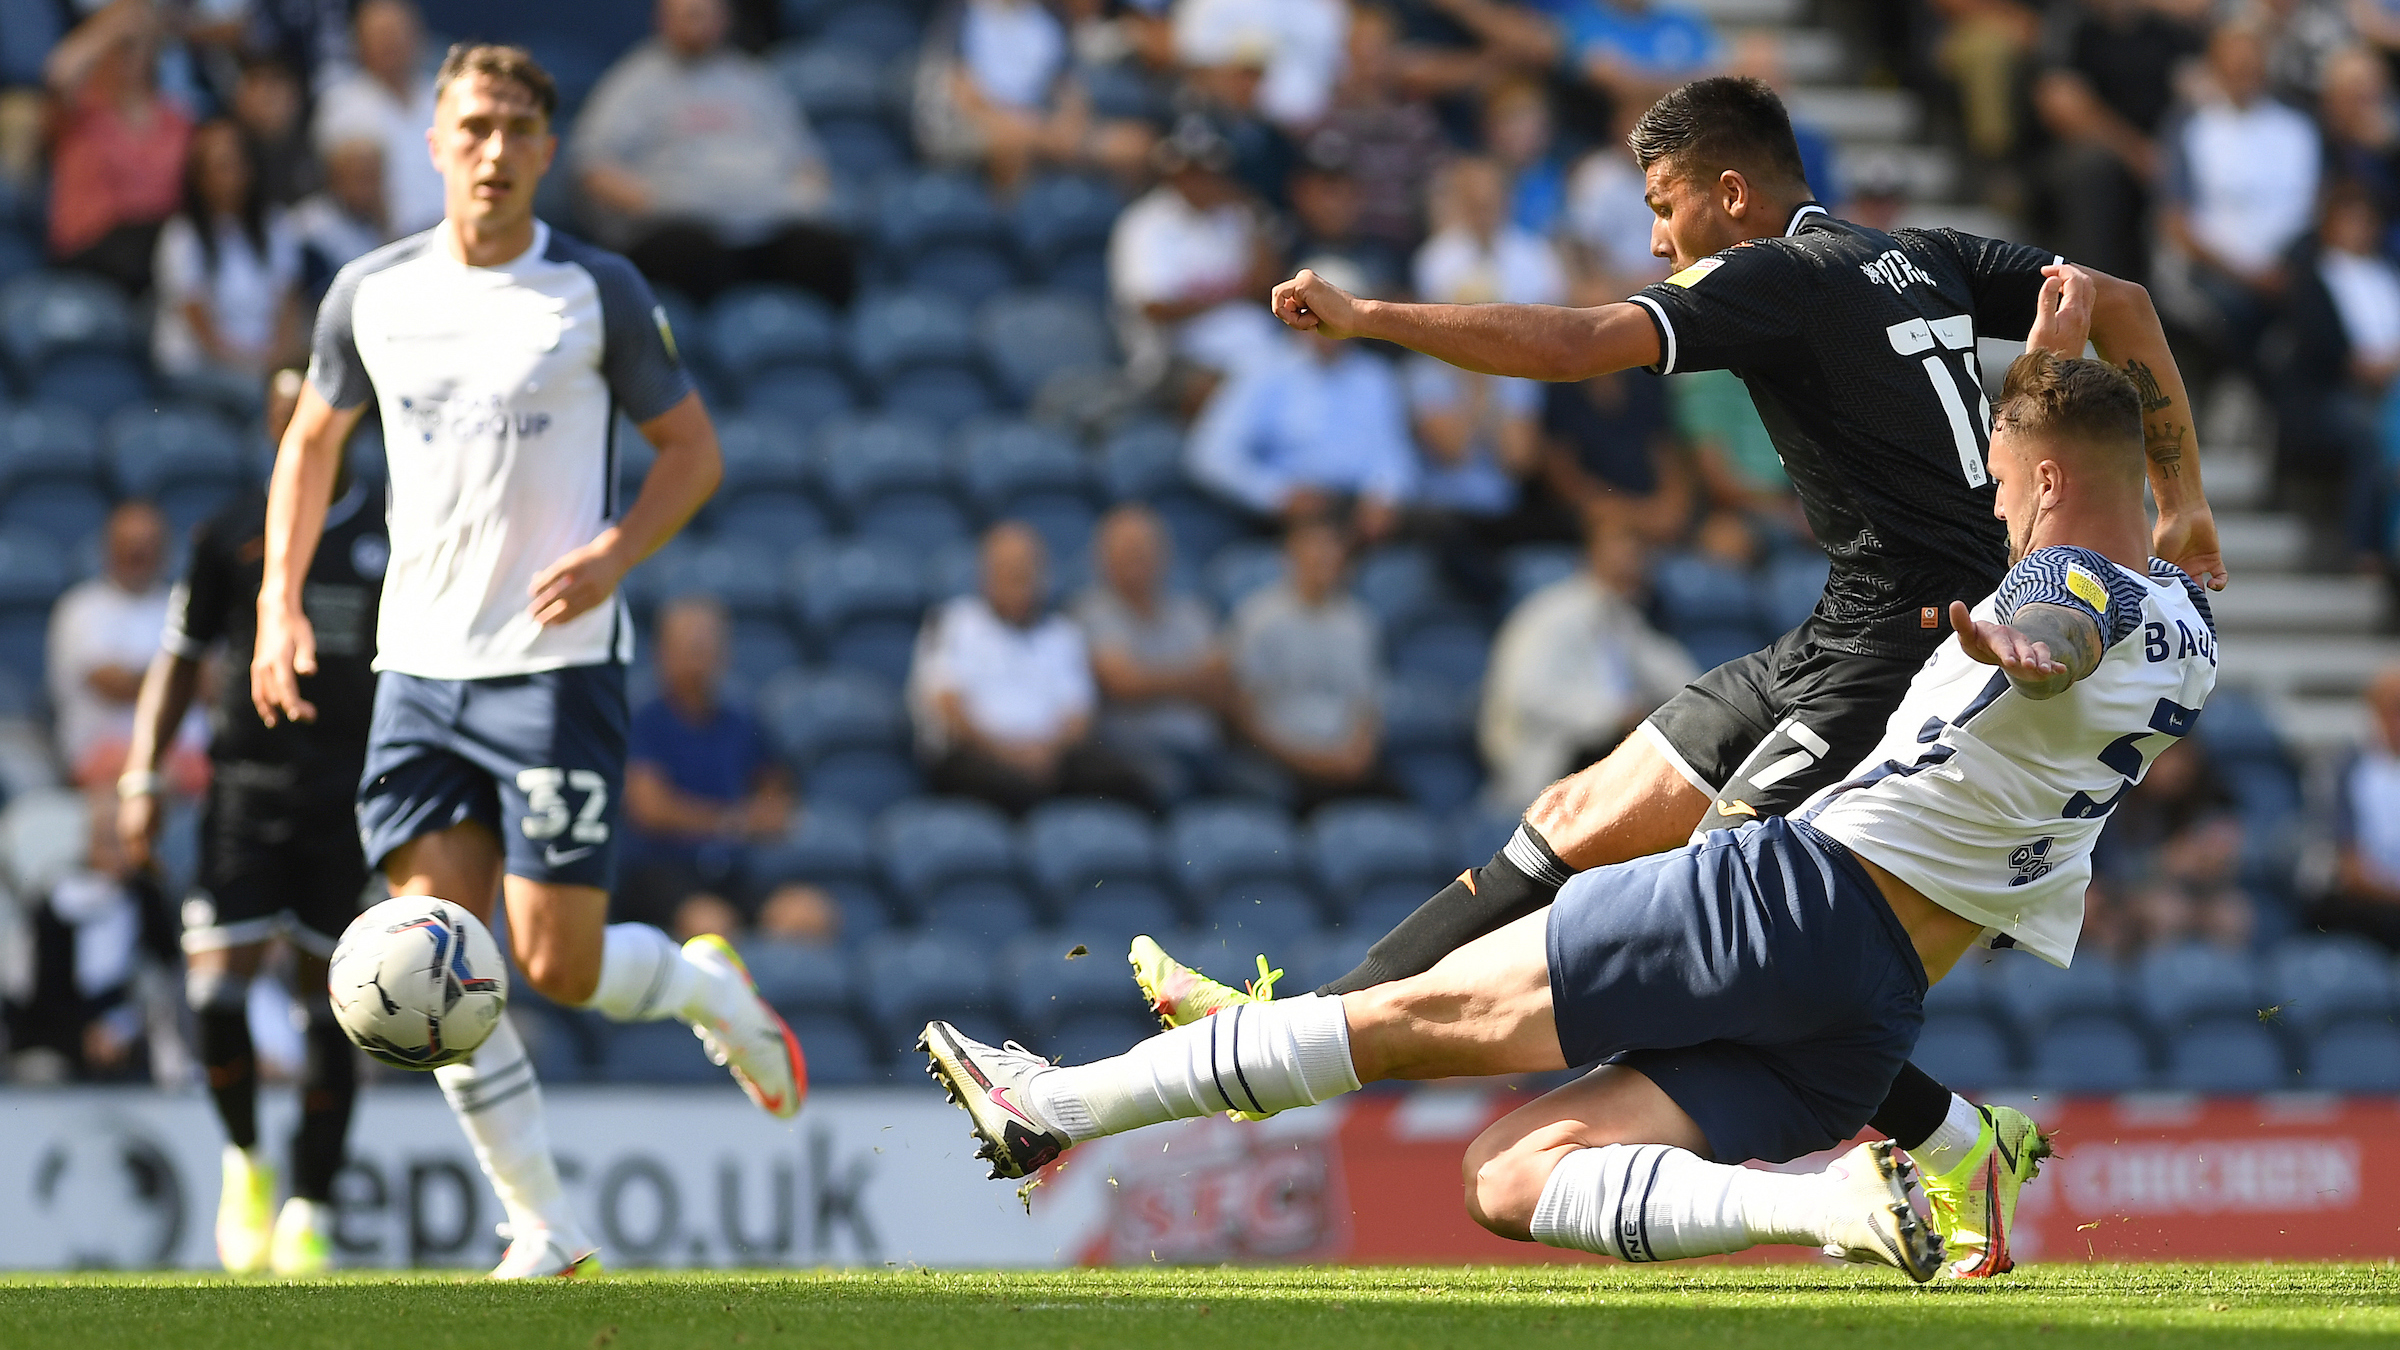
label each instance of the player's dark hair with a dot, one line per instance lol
(2068, 398)
(500, 63)
(1723, 122)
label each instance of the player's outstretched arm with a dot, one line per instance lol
(1533, 342)
(306, 464)
(2127, 333)
(686, 471)
(2044, 648)
(167, 689)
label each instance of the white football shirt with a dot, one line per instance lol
(499, 388)
(1988, 801)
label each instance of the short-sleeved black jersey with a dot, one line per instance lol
(1859, 349)
(217, 600)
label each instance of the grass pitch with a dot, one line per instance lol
(1786, 1307)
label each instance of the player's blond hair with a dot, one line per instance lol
(499, 62)
(2062, 399)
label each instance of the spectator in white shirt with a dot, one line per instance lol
(1308, 674)
(1477, 254)
(1188, 264)
(2342, 317)
(227, 272)
(1574, 669)
(1002, 690)
(2241, 186)
(103, 632)
(389, 99)
(1162, 672)
(343, 220)
(996, 88)
(1481, 436)
(1322, 429)
(1299, 45)
(2365, 896)
(700, 166)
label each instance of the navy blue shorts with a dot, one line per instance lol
(1759, 979)
(537, 759)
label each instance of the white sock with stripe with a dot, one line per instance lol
(1251, 1057)
(644, 977)
(1952, 1140)
(1655, 1202)
(498, 1102)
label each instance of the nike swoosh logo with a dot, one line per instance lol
(1000, 1095)
(552, 856)
(2000, 1146)
(1736, 807)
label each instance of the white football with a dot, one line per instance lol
(417, 982)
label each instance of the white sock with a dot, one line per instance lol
(1953, 1140)
(498, 1102)
(644, 977)
(1251, 1057)
(1654, 1202)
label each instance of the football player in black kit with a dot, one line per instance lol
(279, 851)
(1858, 347)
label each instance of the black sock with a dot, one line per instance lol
(1519, 879)
(1913, 1109)
(224, 1035)
(328, 1088)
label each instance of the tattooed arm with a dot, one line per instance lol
(2044, 648)
(2126, 331)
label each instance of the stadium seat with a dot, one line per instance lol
(1269, 914)
(813, 713)
(1057, 215)
(1042, 982)
(861, 149)
(1697, 592)
(1426, 714)
(1438, 781)
(1381, 909)
(1964, 1050)
(1475, 834)
(1212, 844)
(797, 977)
(46, 313)
(922, 523)
(764, 456)
(987, 909)
(2224, 1055)
(830, 81)
(838, 1053)
(1073, 845)
(2356, 1055)
(1966, 989)
(1005, 460)
(1788, 593)
(828, 843)
(868, 779)
(743, 575)
(96, 384)
(1107, 915)
(2314, 979)
(905, 330)
(33, 570)
(153, 452)
(802, 398)
(2174, 986)
(762, 648)
(753, 327)
(1241, 569)
(655, 1052)
(1142, 460)
(1066, 524)
(19, 255)
(1399, 584)
(2090, 1053)
(1357, 844)
(780, 519)
(24, 638)
(71, 514)
(936, 208)
(971, 271)
(1029, 336)
(860, 458)
(48, 444)
(880, 31)
(911, 978)
(1451, 651)
(2033, 992)
(833, 584)
(1199, 526)
(931, 843)
(946, 396)
(883, 647)
(1530, 567)
(1096, 1035)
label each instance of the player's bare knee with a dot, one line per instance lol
(1504, 1181)
(570, 983)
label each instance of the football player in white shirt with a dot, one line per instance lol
(500, 353)
(1751, 996)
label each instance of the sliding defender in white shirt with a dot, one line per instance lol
(500, 353)
(1753, 995)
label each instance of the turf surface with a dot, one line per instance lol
(1787, 1307)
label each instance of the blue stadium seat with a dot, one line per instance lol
(1212, 844)
(885, 647)
(767, 516)
(46, 313)
(1199, 526)
(958, 570)
(152, 452)
(762, 648)
(1530, 567)
(835, 584)
(1073, 845)
(868, 779)
(797, 977)
(49, 444)
(95, 383)
(929, 844)
(19, 255)
(813, 713)
(830, 80)
(1043, 983)
(1006, 459)
(1438, 781)
(2090, 1053)
(1108, 915)
(862, 149)
(1698, 592)
(2315, 979)
(829, 843)
(1357, 844)
(2238, 730)
(989, 910)
(2033, 992)
(905, 330)
(911, 978)
(1324, 959)
(923, 523)
(24, 639)
(1426, 714)
(972, 271)
(1097, 1035)
(1062, 214)
(1030, 336)
(28, 30)
(1268, 914)
(1240, 569)
(33, 570)
(2173, 986)
(1451, 651)
(880, 31)
(2225, 1056)
(866, 912)
(764, 455)
(563, 1046)
(1381, 910)
(1399, 583)
(943, 395)
(655, 1052)
(838, 1053)
(1966, 989)
(936, 208)
(743, 575)
(2356, 1055)
(1475, 834)
(802, 398)
(751, 328)
(1788, 593)
(860, 458)
(1142, 460)
(1066, 524)
(1963, 1050)
(69, 513)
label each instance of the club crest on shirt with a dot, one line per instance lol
(1690, 276)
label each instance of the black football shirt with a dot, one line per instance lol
(217, 600)
(1858, 348)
